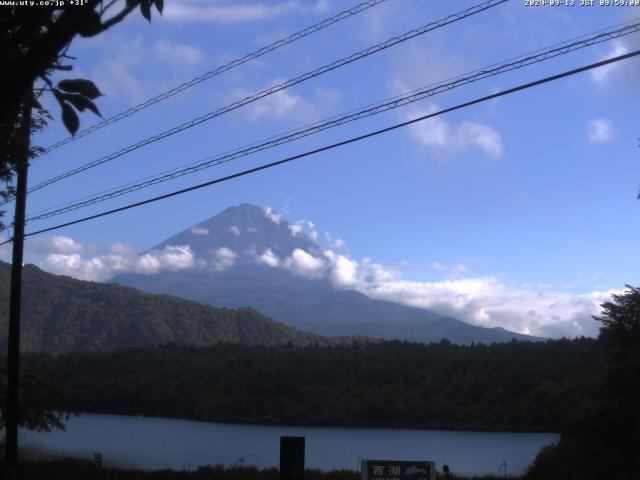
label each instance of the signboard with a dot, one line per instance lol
(291, 458)
(398, 470)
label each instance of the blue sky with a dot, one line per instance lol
(520, 212)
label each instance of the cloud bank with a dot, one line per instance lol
(482, 300)
(486, 301)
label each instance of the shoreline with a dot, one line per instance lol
(70, 468)
(462, 429)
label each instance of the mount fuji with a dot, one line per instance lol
(249, 256)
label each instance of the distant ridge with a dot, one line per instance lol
(62, 314)
(311, 304)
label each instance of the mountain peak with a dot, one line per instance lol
(243, 229)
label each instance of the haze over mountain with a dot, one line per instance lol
(61, 314)
(248, 256)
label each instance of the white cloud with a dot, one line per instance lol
(454, 269)
(488, 302)
(602, 74)
(600, 130)
(485, 301)
(118, 248)
(343, 271)
(75, 266)
(335, 243)
(422, 65)
(57, 244)
(224, 258)
(268, 258)
(279, 104)
(459, 268)
(236, 12)
(303, 227)
(172, 257)
(321, 6)
(271, 215)
(436, 133)
(177, 54)
(253, 229)
(295, 229)
(118, 258)
(282, 104)
(304, 264)
(482, 136)
(287, 105)
(235, 230)
(200, 231)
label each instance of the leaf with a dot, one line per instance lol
(145, 8)
(132, 3)
(81, 102)
(79, 85)
(91, 24)
(70, 118)
(159, 6)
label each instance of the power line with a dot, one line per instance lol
(575, 43)
(339, 144)
(390, 104)
(276, 88)
(219, 70)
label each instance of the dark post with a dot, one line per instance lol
(13, 353)
(291, 458)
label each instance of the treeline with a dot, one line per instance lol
(517, 386)
(602, 438)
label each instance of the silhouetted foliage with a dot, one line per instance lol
(33, 412)
(518, 386)
(603, 440)
(73, 469)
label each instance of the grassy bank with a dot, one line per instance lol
(74, 469)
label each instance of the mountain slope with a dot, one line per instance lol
(246, 228)
(311, 304)
(61, 314)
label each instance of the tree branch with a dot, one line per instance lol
(115, 19)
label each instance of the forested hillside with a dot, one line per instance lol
(516, 386)
(61, 314)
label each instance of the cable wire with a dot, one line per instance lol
(308, 153)
(276, 88)
(208, 162)
(217, 71)
(390, 104)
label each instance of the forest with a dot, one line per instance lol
(517, 386)
(62, 314)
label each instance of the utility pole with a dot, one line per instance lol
(13, 352)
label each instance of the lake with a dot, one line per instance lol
(154, 443)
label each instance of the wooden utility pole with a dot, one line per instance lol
(13, 351)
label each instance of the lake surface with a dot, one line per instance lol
(154, 443)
